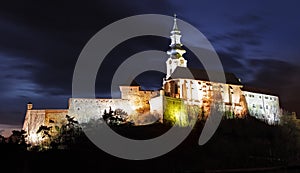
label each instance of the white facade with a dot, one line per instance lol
(176, 58)
(263, 106)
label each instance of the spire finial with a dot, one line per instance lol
(175, 27)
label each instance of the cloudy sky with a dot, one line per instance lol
(40, 42)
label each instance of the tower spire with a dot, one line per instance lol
(176, 51)
(175, 27)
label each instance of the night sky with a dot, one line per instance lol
(40, 42)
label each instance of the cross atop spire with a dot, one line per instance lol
(175, 27)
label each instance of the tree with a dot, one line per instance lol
(17, 139)
(117, 117)
(290, 129)
(2, 139)
(67, 134)
(44, 131)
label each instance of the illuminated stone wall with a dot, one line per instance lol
(138, 98)
(84, 109)
(175, 112)
(33, 120)
(178, 113)
(36, 118)
(203, 93)
(134, 102)
(263, 106)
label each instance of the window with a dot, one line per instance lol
(266, 97)
(266, 106)
(260, 97)
(253, 105)
(261, 107)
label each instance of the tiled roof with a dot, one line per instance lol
(258, 90)
(199, 74)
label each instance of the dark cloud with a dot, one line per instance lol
(280, 76)
(248, 19)
(40, 43)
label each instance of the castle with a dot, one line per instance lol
(180, 98)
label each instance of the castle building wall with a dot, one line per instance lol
(85, 109)
(263, 106)
(34, 119)
(156, 107)
(203, 93)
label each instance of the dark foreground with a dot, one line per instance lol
(238, 146)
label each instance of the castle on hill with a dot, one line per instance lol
(180, 101)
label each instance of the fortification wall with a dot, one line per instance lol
(263, 106)
(34, 119)
(85, 109)
(55, 117)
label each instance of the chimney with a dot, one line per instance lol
(29, 106)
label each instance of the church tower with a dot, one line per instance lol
(176, 51)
